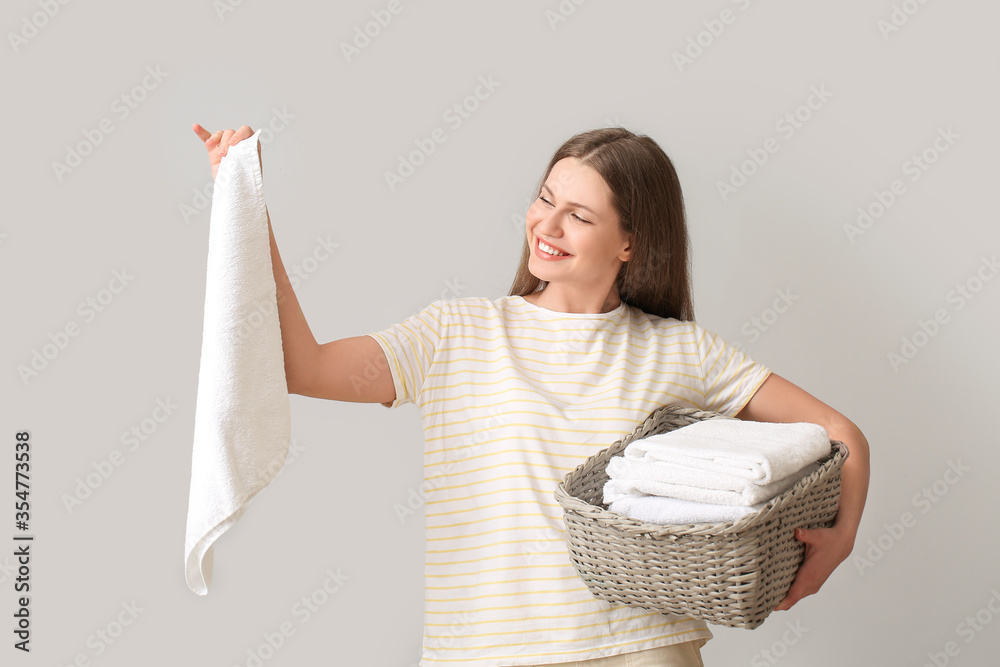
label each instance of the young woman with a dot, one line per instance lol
(596, 333)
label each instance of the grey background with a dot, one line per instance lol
(454, 228)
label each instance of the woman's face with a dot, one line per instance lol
(573, 215)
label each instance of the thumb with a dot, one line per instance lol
(810, 536)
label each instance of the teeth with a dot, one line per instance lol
(549, 249)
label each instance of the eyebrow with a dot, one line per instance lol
(572, 203)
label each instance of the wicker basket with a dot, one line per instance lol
(730, 574)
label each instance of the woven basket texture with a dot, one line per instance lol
(731, 574)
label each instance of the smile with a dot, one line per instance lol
(546, 251)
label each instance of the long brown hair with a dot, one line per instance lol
(646, 195)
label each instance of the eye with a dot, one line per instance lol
(542, 198)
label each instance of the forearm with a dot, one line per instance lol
(854, 476)
(297, 341)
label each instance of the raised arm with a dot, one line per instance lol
(778, 400)
(339, 370)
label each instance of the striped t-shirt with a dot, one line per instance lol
(513, 397)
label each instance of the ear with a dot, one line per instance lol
(626, 252)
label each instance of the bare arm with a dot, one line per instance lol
(339, 370)
(778, 400)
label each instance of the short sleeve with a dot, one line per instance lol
(409, 347)
(730, 376)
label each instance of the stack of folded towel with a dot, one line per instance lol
(716, 470)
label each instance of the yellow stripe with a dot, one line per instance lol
(502, 582)
(502, 595)
(575, 456)
(494, 569)
(588, 600)
(480, 495)
(485, 532)
(395, 361)
(753, 391)
(498, 465)
(480, 546)
(570, 410)
(511, 413)
(529, 425)
(566, 409)
(576, 403)
(476, 560)
(632, 378)
(714, 404)
(548, 480)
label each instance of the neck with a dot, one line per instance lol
(554, 299)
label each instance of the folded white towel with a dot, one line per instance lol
(761, 452)
(666, 511)
(627, 477)
(242, 414)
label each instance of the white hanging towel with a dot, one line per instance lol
(242, 424)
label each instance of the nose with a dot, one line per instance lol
(549, 223)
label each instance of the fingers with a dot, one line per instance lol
(799, 589)
(221, 139)
(202, 133)
(231, 138)
(809, 536)
(788, 602)
(210, 139)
